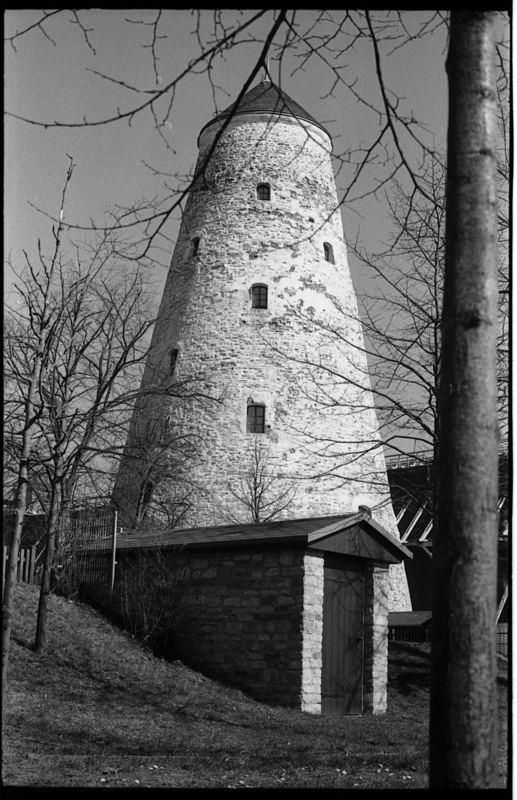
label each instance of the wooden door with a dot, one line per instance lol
(342, 668)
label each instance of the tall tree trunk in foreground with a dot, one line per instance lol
(463, 694)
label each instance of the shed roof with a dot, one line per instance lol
(313, 532)
(268, 98)
(408, 619)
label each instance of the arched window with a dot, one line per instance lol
(259, 295)
(328, 252)
(173, 359)
(256, 418)
(194, 245)
(263, 191)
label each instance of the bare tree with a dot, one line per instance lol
(154, 457)
(396, 149)
(32, 350)
(401, 318)
(262, 494)
(77, 342)
(296, 39)
(149, 595)
(289, 39)
(401, 315)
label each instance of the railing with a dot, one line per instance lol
(410, 633)
(400, 460)
(25, 567)
(409, 459)
(422, 633)
(502, 638)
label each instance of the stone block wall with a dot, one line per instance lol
(377, 594)
(242, 620)
(253, 618)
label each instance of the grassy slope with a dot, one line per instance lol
(98, 710)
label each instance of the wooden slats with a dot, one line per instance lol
(25, 567)
(88, 547)
(342, 646)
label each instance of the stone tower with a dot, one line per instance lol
(255, 401)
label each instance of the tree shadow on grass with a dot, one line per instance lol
(22, 641)
(409, 667)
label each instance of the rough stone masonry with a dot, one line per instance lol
(253, 618)
(300, 358)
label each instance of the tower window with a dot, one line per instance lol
(173, 359)
(255, 418)
(263, 191)
(259, 295)
(328, 252)
(194, 245)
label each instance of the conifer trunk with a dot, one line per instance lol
(463, 694)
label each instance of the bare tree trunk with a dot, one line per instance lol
(463, 695)
(45, 588)
(14, 546)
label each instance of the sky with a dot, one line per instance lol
(49, 75)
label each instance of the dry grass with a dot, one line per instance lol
(97, 709)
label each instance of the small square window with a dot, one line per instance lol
(264, 191)
(259, 295)
(255, 418)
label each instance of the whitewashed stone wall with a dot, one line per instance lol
(318, 425)
(377, 597)
(312, 633)
(375, 655)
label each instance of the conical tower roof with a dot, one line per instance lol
(267, 98)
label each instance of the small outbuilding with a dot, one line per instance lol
(410, 626)
(294, 612)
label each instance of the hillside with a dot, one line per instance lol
(97, 709)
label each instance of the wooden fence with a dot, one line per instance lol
(87, 542)
(502, 638)
(84, 548)
(26, 566)
(410, 633)
(423, 634)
